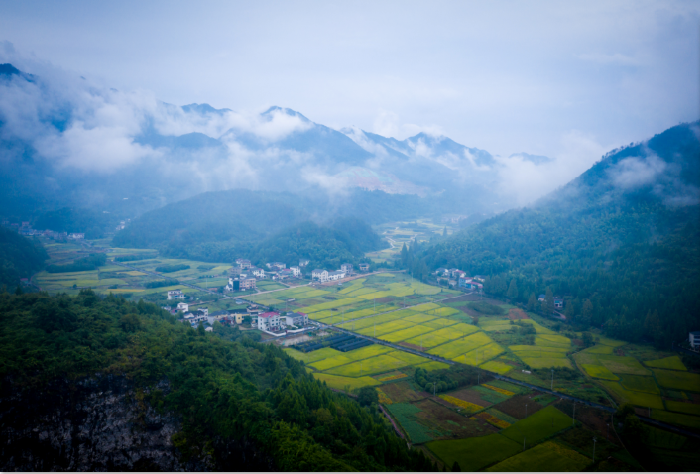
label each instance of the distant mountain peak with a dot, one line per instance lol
(286, 111)
(203, 109)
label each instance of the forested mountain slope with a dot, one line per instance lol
(214, 226)
(19, 257)
(620, 243)
(228, 405)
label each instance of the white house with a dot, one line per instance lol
(296, 319)
(364, 267)
(269, 321)
(336, 275)
(258, 272)
(694, 339)
(175, 294)
(321, 275)
(184, 307)
(296, 271)
(303, 263)
(243, 263)
(346, 267)
(283, 274)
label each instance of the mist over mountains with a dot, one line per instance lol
(67, 142)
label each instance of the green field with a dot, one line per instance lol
(678, 380)
(534, 428)
(676, 418)
(623, 365)
(497, 366)
(480, 354)
(545, 457)
(639, 383)
(474, 454)
(458, 348)
(600, 349)
(682, 407)
(330, 362)
(641, 399)
(407, 333)
(599, 372)
(673, 363)
(375, 365)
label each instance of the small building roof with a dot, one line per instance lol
(269, 314)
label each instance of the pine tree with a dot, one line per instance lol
(512, 290)
(532, 302)
(456, 468)
(548, 302)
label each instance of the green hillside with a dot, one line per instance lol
(619, 243)
(19, 257)
(223, 390)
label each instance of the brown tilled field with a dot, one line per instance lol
(515, 406)
(471, 396)
(452, 424)
(401, 392)
(517, 313)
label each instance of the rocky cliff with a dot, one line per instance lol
(96, 424)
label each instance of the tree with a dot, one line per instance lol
(367, 396)
(456, 468)
(569, 310)
(532, 302)
(587, 313)
(18, 291)
(587, 339)
(512, 290)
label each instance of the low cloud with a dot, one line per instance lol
(637, 171)
(387, 124)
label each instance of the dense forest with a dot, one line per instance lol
(205, 226)
(227, 393)
(343, 240)
(619, 243)
(94, 224)
(20, 257)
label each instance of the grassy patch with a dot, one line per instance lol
(635, 398)
(639, 383)
(433, 365)
(678, 380)
(682, 407)
(623, 365)
(547, 362)
(405, 414)
(496, 366)
(673, 363)
(480, 354)
(375, 365)
(534, 428)
(473, 454)
(407, 333)
(546, 457)
(676, 418)
(599, 372)
(600, 349)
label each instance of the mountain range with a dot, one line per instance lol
(65, 142)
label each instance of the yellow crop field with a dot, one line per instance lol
(682, 407)
(496, 366)
(392, 377)
(408, 358)
(375, 365)
(536, 351)
(384, 328)
(402, 335)
(433, 365)
(495, 325)
(611, 342)
(623, 365)
(444, 311)
(133, 273)
(339, 383)
(424, 307)
(440, 323)
(428, 340)
(402, 313)
(367, 352)
(480, 354)
(325, 364)
(385, 275)
(552, 340)
(499, 390)
(470, 407)
(641, 399)
(309, 357)
(419, 318)
(360, 292)
(460, 347)
(599, 372)
(675, 379)
(354, 285)
(328, 305)
(673, 362)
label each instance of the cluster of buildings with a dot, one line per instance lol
(275, 323)
(457, 277)
(346, 269)
(122, 224)
(558, 301)
(25, 229)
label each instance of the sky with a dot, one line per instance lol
(569, 80)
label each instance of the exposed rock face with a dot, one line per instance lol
(97, 424)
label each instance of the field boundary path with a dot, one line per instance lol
(516, 382)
